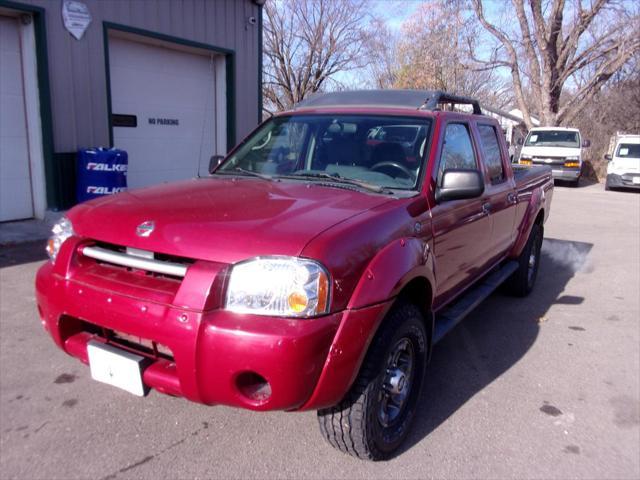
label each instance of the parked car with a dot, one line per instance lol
(558, 147)
(623, 169)
(316, 279)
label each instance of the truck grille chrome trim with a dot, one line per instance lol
(156, 266)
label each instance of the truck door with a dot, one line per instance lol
(461, 228)
(499, 197)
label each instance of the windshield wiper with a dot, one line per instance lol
(336, 178)
(248, 172)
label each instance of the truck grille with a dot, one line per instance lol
(139, 345)
(149, 263)
(131, 343)
(548, 160)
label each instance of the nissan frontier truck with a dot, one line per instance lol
(314, 269)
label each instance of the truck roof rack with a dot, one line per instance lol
(417, 99)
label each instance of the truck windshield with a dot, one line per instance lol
(553, 138)
(628, 150)
(380, 151)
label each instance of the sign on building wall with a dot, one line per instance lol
(76, 17)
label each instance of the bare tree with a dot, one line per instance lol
(616, 108)
(432, 52)
(382, 45)
(556, 46)
(308, 42)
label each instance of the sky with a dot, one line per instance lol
(395, 12)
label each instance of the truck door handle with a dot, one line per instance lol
(486, 208)
(512, 198)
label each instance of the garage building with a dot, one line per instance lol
(172, 82)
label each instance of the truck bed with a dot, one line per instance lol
(525, 174)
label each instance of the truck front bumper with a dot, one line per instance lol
(568, 174)
(215, 356)
(627, 180)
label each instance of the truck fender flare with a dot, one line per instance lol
(534, 206)
(389, 271)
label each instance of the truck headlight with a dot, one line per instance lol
(61, 231)
(278, 286)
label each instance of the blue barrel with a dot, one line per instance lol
(101, 171)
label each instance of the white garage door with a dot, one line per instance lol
(170, 96)
(16, 201)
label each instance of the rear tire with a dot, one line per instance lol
(522, 281)
(375, 416)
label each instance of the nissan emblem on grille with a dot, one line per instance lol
(145, 228)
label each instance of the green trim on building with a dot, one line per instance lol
(229, 67)
(52, 175)
(107, 70)
(166, 38)
(66, 166)
(260, 54)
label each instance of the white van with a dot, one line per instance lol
(558, 147)
(623, 169)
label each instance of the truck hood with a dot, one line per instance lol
(221, 219)
(550, 151)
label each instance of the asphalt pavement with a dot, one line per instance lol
(542, 387)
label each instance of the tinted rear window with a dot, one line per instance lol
(491, 150)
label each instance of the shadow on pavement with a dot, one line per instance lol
(631, 191)
(28, 252)
(494, 337)
(584, 182)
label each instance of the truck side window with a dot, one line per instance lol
(491, 150)
(457, 151)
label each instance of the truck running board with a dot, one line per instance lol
(454, 313)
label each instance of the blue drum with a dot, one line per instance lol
(101, 171)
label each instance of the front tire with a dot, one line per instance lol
(375, 416)
(523, 280)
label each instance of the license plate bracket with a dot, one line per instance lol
(117, 367)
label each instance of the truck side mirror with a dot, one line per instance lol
(460, 183)
(214, 161)
(607, 157)
(586, 143)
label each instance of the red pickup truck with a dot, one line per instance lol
(315, 268)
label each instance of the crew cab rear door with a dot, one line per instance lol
(461, 228)
(499, 197)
